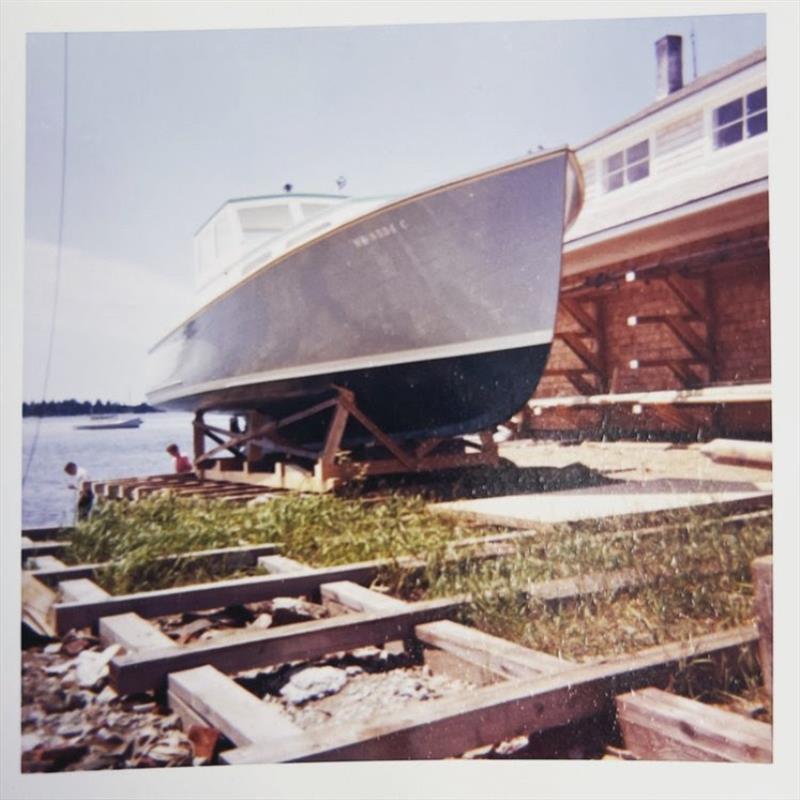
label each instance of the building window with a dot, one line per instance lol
(627, 166)
(740, 119)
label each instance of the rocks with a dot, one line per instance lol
(288, 610)
(71, 720)
(312, 683)
(261, 622)
(91, 667)
(193, 630)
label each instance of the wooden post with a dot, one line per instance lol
(199, 439)
(761, 570)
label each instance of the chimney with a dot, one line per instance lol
(669, 66)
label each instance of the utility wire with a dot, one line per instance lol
(59, 248)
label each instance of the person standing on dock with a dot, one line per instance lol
(181, 462)
(81, 485)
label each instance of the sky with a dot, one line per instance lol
(162, 127)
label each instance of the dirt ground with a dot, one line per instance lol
(634, 460)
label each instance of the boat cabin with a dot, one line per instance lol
(247, 233)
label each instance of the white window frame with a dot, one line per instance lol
(623, 170)
(741, 120)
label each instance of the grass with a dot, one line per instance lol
(681, 600)
(319, 529)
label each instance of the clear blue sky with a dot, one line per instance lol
(162, 127)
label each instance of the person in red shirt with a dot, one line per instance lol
(182, 462)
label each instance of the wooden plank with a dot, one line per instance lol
(742, 393)
(560, 589)
(501, 658)
(736, 451)
(280, 565)
(452, 726)
(50, 534)
(37, 605)
(210, 595)
(226, 706)
(51, 575)
(238, 557)
(663, 726)
(41, 563)
(42, 548)
(81, 590)
(300, 641)
(134, 633)
(761, 569)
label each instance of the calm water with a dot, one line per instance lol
(105, 454)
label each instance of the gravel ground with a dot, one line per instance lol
(73, 720)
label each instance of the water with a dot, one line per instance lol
(46, 500)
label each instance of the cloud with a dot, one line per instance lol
(108, 313)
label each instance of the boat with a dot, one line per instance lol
(107, 422)
(435, 309)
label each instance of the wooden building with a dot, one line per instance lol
(664, 319)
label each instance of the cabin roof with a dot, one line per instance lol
(283, 196)
(689, 89)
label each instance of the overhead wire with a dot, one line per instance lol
(59, 249)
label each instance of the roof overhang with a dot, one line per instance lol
(741, 206)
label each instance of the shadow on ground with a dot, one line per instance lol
(477, 482)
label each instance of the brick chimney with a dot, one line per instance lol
(669, 65)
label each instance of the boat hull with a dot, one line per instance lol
(437, 311)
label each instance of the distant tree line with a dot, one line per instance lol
(72, 407)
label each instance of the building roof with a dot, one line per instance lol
(691, 88)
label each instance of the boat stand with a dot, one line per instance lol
(265, 453)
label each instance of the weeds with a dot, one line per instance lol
(693, 572)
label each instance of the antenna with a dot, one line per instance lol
(694, 55)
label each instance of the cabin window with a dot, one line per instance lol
(740, 119)
(265, 219)
(627, 166)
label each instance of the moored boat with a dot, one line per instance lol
(108, 422)
(435, 309)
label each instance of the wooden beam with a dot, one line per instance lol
(223, 704)
(452, 726)
(37, 605)
(233, 557)
(693, 302)
(689, 339)
(210, 595)
(501, 658)
(43, 548)
(573, 307)
(43, 563)
(133, 633)
(50, 534)
(738, 393)
(300, 641)
(280, 565)
(81, 590)
(761, 569)
(661, 726)
(573, 341)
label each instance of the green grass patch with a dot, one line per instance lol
(319, 530)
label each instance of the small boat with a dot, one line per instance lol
(107, 422)
(436, 310)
